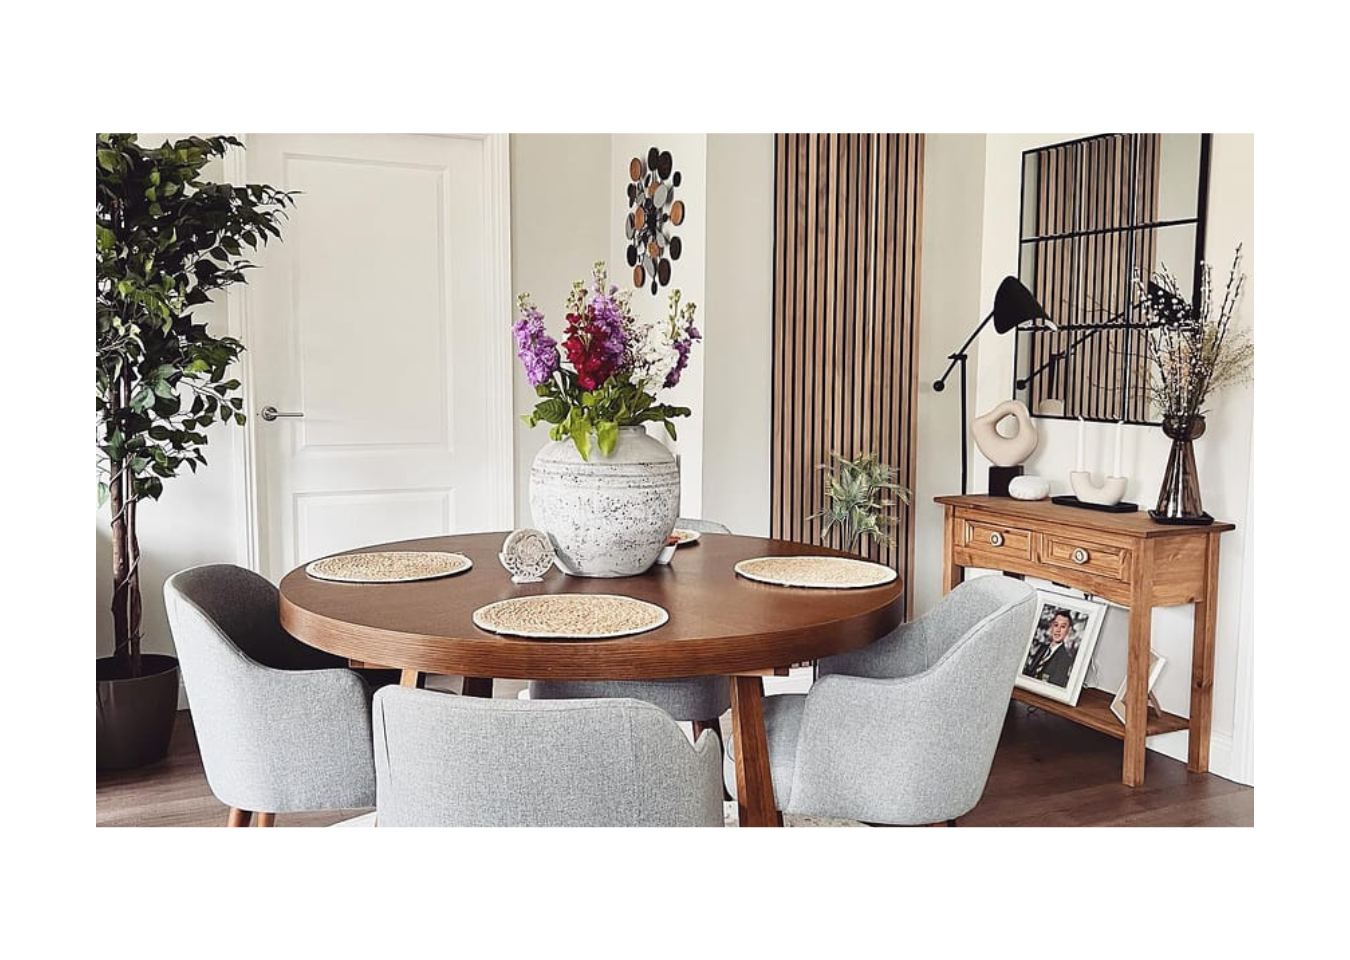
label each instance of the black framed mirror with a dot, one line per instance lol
(1094, 210)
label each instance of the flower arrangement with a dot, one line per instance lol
(617, 363)
(1193, 353)
(859, 499)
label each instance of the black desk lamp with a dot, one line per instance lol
(1014, 305)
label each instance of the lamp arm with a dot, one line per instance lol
(940, 384)
(1092, 330)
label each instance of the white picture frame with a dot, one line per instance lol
(1056, 656)
(1155, 666)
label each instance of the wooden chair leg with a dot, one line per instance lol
(266, 820)
(716, 727)
(239, 818)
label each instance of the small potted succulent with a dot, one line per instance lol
(861, 495)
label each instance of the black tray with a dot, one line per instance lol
(1072, 501)
(1203, 520)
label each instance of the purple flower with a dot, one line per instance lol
(609, 320)
(683, 342)
(538, 351)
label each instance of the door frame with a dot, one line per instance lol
(495, 320)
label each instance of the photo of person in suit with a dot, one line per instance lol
(1055, 648)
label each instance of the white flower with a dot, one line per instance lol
(656, 356)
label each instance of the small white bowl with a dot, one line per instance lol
(666, 553)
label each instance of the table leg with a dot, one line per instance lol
(412, 678)
(754, 782)
(951, 572)
(1136, 681)
(477, 687)
(1202, 662)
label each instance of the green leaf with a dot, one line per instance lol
(581, 436)
(102, 493)
(553, 410)
(670, 429)
(607, 435)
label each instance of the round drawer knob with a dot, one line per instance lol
(1080, 555)
(996, 538)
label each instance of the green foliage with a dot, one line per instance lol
(165, 241)
(859, 492)
(577, 413)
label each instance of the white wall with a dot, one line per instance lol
(1223, 456)
(949, 309)
(687, 274)
(737, 384)
(560, 225)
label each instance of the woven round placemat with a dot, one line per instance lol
(573, 616)
(393, 567)
(832, 573)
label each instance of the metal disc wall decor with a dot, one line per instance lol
(653, 211)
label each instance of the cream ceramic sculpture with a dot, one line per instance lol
(1004, 451)
(1112, 488)
(1110, 492)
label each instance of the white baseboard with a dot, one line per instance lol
(1222, 762)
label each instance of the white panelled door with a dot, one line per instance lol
(378, 331)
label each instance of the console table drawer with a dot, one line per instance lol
(1075, 553)
(996, 540)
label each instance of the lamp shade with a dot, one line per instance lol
(1014, 304)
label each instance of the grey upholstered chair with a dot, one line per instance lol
(699, 699)
(282, 727)
(904, 730)
(448, 761)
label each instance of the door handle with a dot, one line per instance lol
(270, 413)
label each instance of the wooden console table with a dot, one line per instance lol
(1122, 557)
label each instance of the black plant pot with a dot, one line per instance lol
(135, 714)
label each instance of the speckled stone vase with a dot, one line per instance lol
(608, 517)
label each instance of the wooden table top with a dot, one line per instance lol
(1134, 524)
(719, 624)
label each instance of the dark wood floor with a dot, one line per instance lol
(1048, 772)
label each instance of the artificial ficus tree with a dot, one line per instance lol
(166, 239)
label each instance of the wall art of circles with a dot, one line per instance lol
(653, 211)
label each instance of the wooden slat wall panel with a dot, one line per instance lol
(847, 230)
(1108, 183)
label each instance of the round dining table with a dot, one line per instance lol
(720, 624)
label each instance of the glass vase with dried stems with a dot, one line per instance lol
(1193, 353)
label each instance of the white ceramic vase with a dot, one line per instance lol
(609, 516)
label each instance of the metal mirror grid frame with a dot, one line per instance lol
(1092, 210)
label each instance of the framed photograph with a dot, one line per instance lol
(1060, 646)
(1155, 665)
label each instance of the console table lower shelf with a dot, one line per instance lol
(1094, 710)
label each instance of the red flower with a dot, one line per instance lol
(586, 349)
